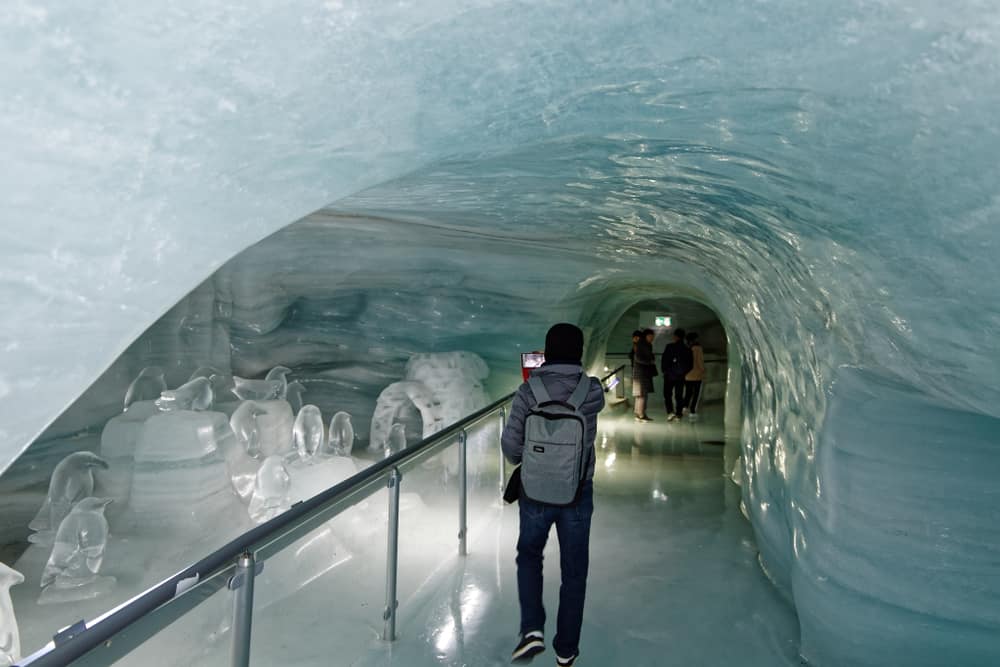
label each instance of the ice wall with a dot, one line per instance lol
(823, 176)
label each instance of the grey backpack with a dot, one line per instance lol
(554, 462)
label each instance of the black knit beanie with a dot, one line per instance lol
(564, 344)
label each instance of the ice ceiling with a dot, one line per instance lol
(823, 175)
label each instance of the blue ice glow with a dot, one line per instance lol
(823, 176)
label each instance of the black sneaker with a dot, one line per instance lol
(531, 644)
(566, 662)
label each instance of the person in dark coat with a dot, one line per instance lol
(675, 363)
(643, 371)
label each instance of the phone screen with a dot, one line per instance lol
(532, 359)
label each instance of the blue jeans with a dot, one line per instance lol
(573, 529)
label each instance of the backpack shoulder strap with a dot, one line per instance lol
(538, 389)
(579, 394)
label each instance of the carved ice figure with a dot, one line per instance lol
(72, 481)
(195, 394)
(71, 572)
(455, 379)
(147, 386)
(308, 433)
(10, 642)
(264, 428)
(271, 490)
(222, 382)
(341, 440)
(273, 386)
(396, 440)
(181, 478)
(245, 426)
(293, 394)
(398, 398)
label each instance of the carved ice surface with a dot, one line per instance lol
(148, 385)
(10, 642)
(75, 562)
(309, 433)
(196, 394)
(72, 480)
(271, 490)
(823, 175)
(341, 440)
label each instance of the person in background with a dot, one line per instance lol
(694, 377)
(561, 373)
(675, 362)
(643, 371)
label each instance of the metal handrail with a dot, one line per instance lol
(217, 569)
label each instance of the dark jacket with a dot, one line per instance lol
(644, 365)
(676, 361)
(560, 380)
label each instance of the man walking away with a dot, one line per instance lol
(564, 385)
(675, 362)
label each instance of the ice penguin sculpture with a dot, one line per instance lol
(308, 433)
(71, 572)
(72, 481)
(244, 425)
(273, 386)
(341, 440)
(293, 394)
(10, 642)
(396, 440)
(271, 490)
(196, 394)
(147, 386)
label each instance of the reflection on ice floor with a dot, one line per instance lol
(674, 578)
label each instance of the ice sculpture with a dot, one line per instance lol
(118, 440)
(293, 394)
(147, 386)
(71, 572)
(264, 428)
(273, 386)
(222, 382)
(341, 440)
(395, 441)
(10, 642)
(271, 490)
(309, 433)
(180, 474)
(442, 386)
(401, 396)
(196, 394)
(72, 480)
(244, 425)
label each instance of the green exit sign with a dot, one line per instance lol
(663, 321)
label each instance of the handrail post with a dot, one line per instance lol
(242, 584)
(503, 460)
(463, 482)
(392, 558)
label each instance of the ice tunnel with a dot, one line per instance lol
(823, 176)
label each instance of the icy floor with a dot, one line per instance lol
(673, 581)
(674, 578)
